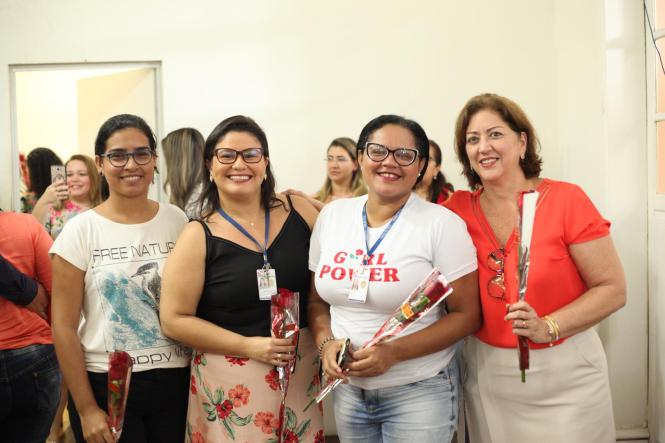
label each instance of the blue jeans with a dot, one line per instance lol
(29, 393)
(424, 411)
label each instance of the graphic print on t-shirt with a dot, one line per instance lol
(345, 264)
(128, 279)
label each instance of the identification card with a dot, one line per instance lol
(267, 282)
(359, 285)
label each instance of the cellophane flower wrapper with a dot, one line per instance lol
(119, 375)
(431, 291)
(284, 323)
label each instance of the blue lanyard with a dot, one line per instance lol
(378, 241)
(264, 248)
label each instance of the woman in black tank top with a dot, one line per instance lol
(210, 297)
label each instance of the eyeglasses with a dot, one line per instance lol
(227, 156)
(495, 286)
(403, 156)
(119, 159)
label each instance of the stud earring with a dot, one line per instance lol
(211, 177)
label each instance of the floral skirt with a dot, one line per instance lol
(238, 399)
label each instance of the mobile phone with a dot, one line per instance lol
(58, 173)
(342, 354)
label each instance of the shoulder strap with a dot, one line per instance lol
(288, 198)
(205, 227)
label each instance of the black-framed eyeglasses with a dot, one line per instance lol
(119, 158)
(403, 156)
(227, 156)
(496, 285)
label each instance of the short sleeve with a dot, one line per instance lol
(582, 221)
(454, 253)
(70, 244)
(315, 241)
(42, 242)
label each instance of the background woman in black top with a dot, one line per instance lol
(210, 298)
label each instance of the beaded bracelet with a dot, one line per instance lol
(325, 340)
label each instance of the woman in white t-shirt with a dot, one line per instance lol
(107, 266)
(406, 388)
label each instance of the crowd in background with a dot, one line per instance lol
(94, 266)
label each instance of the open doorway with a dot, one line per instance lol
(62, 107)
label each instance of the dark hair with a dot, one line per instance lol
(118, 123)
(439, 183)
(515, 118)
(39, 163)
(422, 142)
(209, 201)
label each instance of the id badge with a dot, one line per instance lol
(267, 282)
(359, 285)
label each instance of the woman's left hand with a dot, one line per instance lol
(372, 361)
(526, 322)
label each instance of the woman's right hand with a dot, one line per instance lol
(57, 190)
(271, 350)
(329, 354)
(94, 423)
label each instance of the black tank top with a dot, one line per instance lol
(230, 297)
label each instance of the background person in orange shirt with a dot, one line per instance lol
(575, 278)
(29, 373)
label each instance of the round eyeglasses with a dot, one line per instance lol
(402, 156)
(496, 286)
(119, 158)
(227, 156)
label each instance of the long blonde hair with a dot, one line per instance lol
(357, 183)
(94, 193)
(183, 151)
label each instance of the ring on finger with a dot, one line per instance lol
(524, 325)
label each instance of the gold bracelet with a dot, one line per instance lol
(325, 340)
(555, 327)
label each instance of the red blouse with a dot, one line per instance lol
(564, 216)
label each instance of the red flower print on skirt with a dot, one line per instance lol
(272, 378)
(193, 385)
(224, 409)
(239, 395)
(266, 421)
(240, 361)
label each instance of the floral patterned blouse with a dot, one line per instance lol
(57, 218)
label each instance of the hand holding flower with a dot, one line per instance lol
(526, 322)
(372, 361)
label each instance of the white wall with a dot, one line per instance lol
(312, 71)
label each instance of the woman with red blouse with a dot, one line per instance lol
(575, 281)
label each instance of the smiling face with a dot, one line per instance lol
(131, 180)
(386, 179)
(340, 165)
(240, 178)
(493, 148)
(78, 180)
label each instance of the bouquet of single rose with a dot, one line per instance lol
(527, 213)
(120, 371)
(431, 291)
(284, 321)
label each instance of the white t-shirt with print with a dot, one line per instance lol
(424, 236)
(123, 264)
